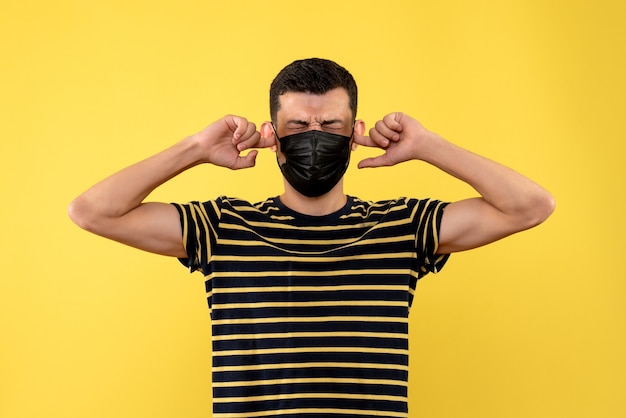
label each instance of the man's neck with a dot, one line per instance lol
(314, 206)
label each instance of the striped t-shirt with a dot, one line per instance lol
(310, 313)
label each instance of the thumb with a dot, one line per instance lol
(380, 161)
(247, 161)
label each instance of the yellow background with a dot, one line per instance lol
(532, 326)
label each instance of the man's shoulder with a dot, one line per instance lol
(231, 204)
(401, 206)
(249, 209)
(237, 202)
(383, 203)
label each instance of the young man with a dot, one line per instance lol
(310, 291)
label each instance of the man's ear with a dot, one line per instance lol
(359, 129)
(267, 131)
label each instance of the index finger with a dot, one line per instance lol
(256, 141)
(366, 141)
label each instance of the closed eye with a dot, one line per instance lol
(332, 125)
(297, 125)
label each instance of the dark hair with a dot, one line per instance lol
(312, 75)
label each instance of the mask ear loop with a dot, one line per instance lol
(352, 144)
(278, 139)
(278, 145)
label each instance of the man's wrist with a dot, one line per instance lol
(430, 146)
(190, 152)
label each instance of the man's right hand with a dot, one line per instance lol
(222, 142)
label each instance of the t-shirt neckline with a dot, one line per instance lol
(284, 209)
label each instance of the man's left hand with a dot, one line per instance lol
(399, 135)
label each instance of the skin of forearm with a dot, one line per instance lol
(503, 188)
(125, 190)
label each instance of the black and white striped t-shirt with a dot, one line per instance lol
(310, 313)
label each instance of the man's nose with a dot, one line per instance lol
(315, 126)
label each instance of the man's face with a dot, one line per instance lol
(300, 112)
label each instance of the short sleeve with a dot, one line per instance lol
(199, 223)
(427, 218)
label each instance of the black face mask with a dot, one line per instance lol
(315, 160)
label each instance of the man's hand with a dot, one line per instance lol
(401, 136)
(222, 142)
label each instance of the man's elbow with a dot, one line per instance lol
(81, 214)
(540, 209)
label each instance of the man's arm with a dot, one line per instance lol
(509, 202)
(114, 208)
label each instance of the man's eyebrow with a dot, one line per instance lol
(304, 122)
